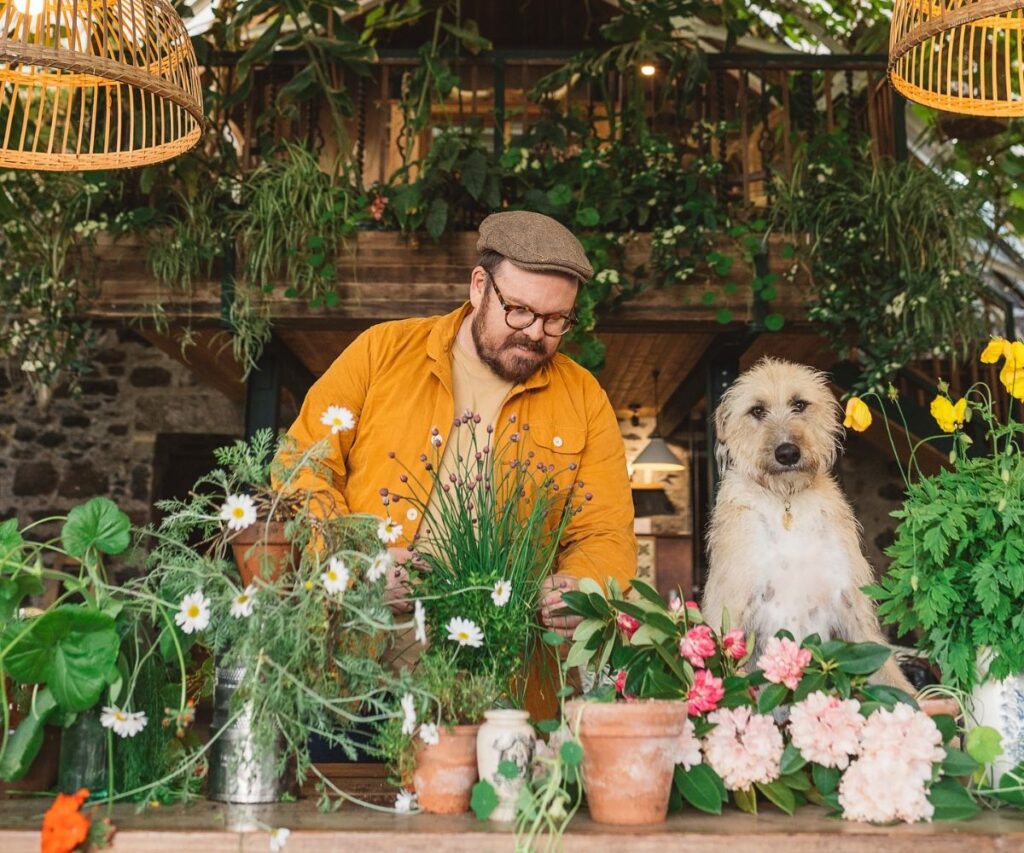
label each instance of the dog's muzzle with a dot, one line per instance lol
(787, 454)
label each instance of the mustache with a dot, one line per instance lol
(524, 342)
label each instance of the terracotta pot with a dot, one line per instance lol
(446, 771)
(935, 707)
(629, 754)
(262, 549)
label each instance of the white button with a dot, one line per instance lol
(557, 441)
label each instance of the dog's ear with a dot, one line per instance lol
(722, 459)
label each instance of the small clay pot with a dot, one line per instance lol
(446, 771)
(629, 755)
(935, 707)
(262, 549)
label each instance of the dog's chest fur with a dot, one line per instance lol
(802, 578)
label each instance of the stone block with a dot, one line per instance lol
(34, 478)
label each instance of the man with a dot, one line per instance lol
(497, 356)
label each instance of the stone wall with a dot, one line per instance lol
(102, 441)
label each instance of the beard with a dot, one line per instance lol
(502, 358)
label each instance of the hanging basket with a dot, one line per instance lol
(95, 84)
(964, 56)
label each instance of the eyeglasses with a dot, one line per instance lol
(517, 317)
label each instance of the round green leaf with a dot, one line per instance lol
(484, 799)
(97, 524)
(984, 744)
(774, 322)
(571, 753)
(724, 315)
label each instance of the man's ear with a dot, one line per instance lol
(477, 286)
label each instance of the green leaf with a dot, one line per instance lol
(946, 726)
(778, 794)
(810, 683)
(11, 546)
(951, 801)
(746, 800)
(262, 46)
(23, 746)
(437, 218)
(770, 697)
(474, 173)
(984, 744)
(508, 769)
(648, 592)
(588, 217)
(957, 763)
(97, 524)
(579, 655)
(553, 639)
(773, 322)
(559, 195)
(723, 316)
(71, 649)
(571, 753)
(826, 779)
(701, 787)
(1011, 786)
(548, 726)
(483, 800)
(862, 658)
(792, 760)
(13, 592)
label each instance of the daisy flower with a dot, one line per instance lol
(238, 511)
(408, 714)
(420, 617)
(336, 577)
(405, 802)
(429, 735)
(378, 568)
(465, 632)
(501, 593)
(241, 606)
(124, 723)
(338, 418)
(194, 613)
(278, 838)
(388, 531)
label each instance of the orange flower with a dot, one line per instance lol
(64, 826)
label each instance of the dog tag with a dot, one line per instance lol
(787, 517)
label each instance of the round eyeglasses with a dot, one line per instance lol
(517, 317)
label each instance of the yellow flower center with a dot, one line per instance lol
(243, 598)
(120, 716)
(193, 611)
(238, 512)
(463, 635)
(332, 575)
(308, 585)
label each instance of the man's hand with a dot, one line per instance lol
(551, 601)
(396, 593)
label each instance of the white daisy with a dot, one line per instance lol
(388, 531)
(501, 593)
(379, 567)
(465, 632)
(338, 418)
(238, 511)
(409, 712)
(420, 617)
(336, 577)
(429, 735)
(241, 606)
(405, 802)
(278, 838)
(194, 613)
(124, 723)
(412, 513)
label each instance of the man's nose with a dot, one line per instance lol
(535, 331)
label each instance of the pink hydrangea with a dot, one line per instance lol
(627, 624)
(688, 747)
(705, 694)
(735, 644)
(698, 644)
(826, 729)
(881, 788)
(905, 732)
(783, 661)
(743, 747)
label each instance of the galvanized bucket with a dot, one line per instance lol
(239, 772)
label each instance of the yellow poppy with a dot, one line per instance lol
(996, 349)
(858, 415)
(948, 415)
(1012, 377)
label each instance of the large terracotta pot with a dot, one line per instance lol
(446, 771)
(262, 549)
(629, 754)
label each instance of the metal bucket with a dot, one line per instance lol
(239, 773)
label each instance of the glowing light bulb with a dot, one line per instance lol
(647, 69)
(32, 8)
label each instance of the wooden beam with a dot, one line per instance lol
(208, 357)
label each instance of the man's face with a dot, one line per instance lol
(513, 354)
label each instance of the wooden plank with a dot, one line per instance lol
(210, 358)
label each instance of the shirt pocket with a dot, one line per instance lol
(561, 446)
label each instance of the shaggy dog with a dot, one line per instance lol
(784, 547)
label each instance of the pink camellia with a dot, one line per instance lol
(743, 747)
(705, 694)
(783, 662)
(735, 644)
(698, 644)
(627, 624)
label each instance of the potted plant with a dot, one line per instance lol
(956, 577)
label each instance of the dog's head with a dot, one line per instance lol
(778, 424)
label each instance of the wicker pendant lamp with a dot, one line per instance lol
(965, 56)
(95, 84)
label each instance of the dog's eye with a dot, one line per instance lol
(758, 412)
(799, 405)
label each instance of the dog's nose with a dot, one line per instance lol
(787, 454)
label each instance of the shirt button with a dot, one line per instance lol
(557, 441)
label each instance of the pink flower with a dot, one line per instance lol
(688, 747)
(743, 747)
(783, 662)
(620, 686)
(693, 605)
(627, 624)
(735, 644)
(675, 603)
(697, 645)
(910, 734)
(705, 694)
(881, 788)
(826, 729)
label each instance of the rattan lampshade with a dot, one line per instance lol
(95, 84)
(965, 56)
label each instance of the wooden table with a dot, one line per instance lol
(207, 827)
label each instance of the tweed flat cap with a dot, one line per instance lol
(534, 242)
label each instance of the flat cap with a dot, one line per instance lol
(535, 242)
